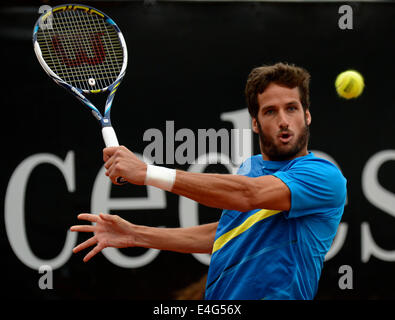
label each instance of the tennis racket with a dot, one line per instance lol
(83, 51)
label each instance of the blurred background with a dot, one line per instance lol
(188, 63)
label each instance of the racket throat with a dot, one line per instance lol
(99, 117)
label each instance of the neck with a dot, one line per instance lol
(301, 153)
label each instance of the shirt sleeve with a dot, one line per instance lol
(316, 185)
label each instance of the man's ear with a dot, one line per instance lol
(254, 125)
(308, 117)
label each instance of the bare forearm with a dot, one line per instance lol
(222, 191)
(234, 192)
(196, 239)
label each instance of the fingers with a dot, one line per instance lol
(83, 228)
(108, 152)
(109, 162)
(107, 217)
(90, 228)
(92, 253)
(85, 244)
(88, 217)
(119, 162)
(111, 158)
(114, 173)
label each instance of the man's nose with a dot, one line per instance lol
(283, 122)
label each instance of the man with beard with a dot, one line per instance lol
(280, 212)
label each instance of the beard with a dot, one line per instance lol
(282, 153)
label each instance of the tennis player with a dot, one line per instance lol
(280, 212)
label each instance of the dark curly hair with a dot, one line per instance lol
(284, 74)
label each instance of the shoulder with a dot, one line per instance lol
(315, 176)
(250, 166)
(316, 166)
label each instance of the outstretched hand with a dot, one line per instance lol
(109, 231)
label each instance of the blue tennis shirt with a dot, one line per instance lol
(271, 254)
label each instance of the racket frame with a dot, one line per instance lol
(104, 119)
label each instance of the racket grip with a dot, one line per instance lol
(109, 136)
(111, 140)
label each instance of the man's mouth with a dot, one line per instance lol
(285, 137)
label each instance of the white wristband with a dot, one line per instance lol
(160, 177)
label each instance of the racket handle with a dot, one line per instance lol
(109, 136)
(110, 140)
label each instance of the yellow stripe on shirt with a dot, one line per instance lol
(248, 223)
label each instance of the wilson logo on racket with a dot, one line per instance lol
(80, 56)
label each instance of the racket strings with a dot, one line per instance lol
(80, 47)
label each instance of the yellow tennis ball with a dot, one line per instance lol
(349, 84)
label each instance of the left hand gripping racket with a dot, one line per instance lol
(83, 51)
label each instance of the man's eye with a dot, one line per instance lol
(291, 108)
(269, 112)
